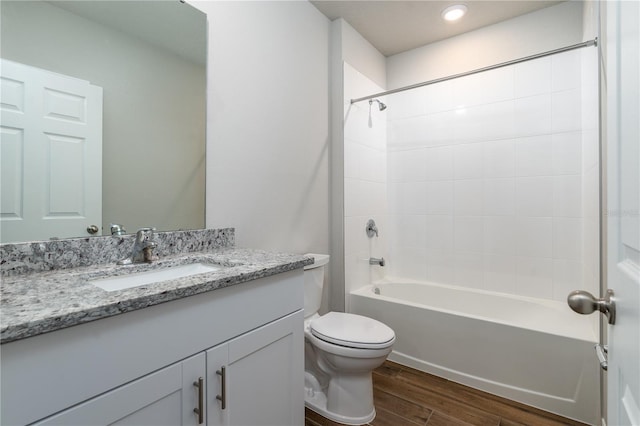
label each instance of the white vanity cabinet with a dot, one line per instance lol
(165, 397)
(256, 377)
(140, 368)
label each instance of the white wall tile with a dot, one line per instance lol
(500, 273)
(411, 231)
(439, 97)
(352, 197)
(410, 130)
(486, 173)
(394, 132)
(565, 71)
(566, 111)
(438, 163)
(590, 107)
(500, 235)
(406, 104)
(532, 77)
(468, 233)
(393, 198)
(374, 199)
(499, 158)
(534, 156)
(532, 115)
(440, 266)
(357, 271)
(370, 169)
(534, 237)
(567, 276)
(355, 238)
(499, 196)
(484, 88)
(590, 149)
(439, 232)
(534, 196)
(468, 269)
(589, 67)
(409, 262)
(567, 153)
(467, 161)
(567, 196)
(409, 198)
(467, 197)
(590, 194)
(407, 165)
(439, 197)
(484, 122)
(567, 238)
(534, 277)
(351, 159)
(440, 128)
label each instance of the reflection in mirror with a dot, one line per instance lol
(103, 117)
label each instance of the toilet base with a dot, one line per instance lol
(317, 401)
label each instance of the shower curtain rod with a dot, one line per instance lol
(588, 43)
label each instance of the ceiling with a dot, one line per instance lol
(395, 26)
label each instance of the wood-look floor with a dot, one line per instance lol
(404, 396)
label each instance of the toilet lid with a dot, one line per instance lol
(354, 331)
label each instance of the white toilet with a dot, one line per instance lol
(340, 351)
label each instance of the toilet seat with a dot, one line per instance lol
(353, 331)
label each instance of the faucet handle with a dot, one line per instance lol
(144, 234)
(371, 228)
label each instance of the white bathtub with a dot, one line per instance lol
(534, 351)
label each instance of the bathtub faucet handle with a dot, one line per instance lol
(371, 228)
(376, 261)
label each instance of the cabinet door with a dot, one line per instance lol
(166, 397)
(264, 376)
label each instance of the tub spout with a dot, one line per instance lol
(376, 261)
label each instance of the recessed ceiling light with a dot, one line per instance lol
(455, 12)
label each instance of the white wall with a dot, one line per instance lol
(268, 124)
(536, 32)
(152, 175)
(347, 45)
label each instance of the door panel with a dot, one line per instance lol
(165, 397)
(623, 205)
(264, 382)
(51, 125)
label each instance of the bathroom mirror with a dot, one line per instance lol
(148, 60)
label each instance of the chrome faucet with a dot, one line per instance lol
(376, 261)
(142, 248)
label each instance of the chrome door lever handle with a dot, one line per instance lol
(584, 302)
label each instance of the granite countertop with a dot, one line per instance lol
(36, 303)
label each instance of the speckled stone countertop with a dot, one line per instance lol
(40, 302)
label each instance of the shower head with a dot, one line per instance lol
(381, 106)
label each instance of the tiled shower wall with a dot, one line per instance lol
(492, 179)
(365, 180)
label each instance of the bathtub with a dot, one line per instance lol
(534, 351)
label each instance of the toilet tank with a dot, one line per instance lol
(313, 283)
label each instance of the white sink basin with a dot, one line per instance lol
(124, 282)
